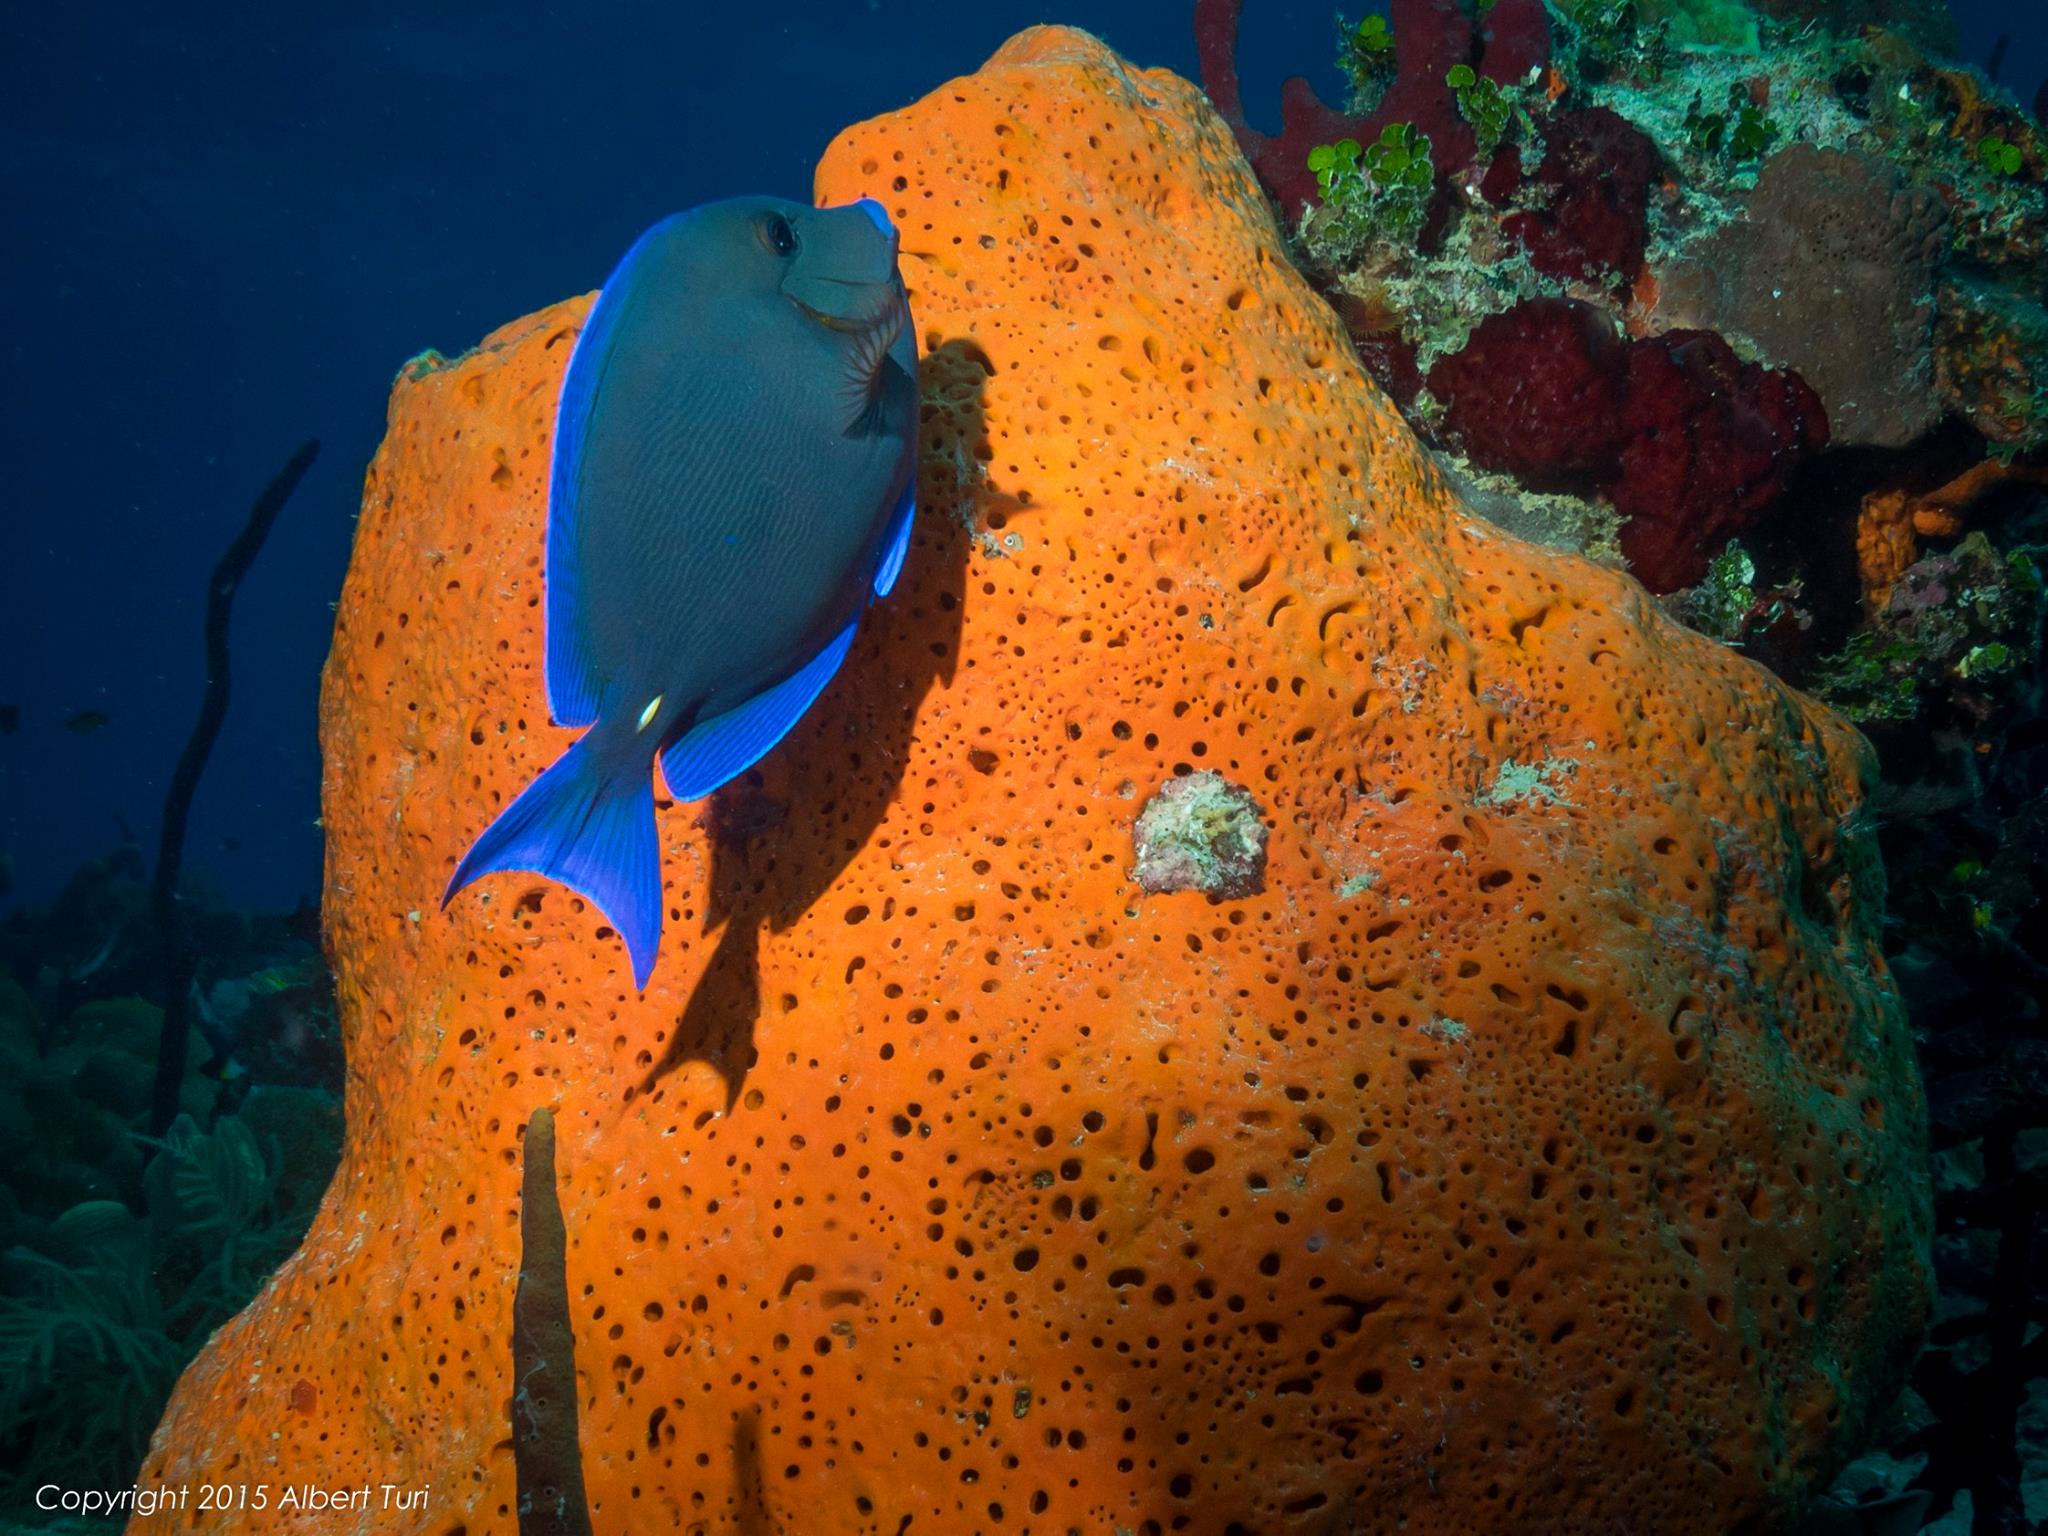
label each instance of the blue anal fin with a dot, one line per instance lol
(897, 544)
(727, 745)
(590, 826)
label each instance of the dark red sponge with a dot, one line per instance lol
(1710, 444)
(1596, 173)
(1691, 444)
(1537, 391)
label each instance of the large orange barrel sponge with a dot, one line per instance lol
(1257, 1003)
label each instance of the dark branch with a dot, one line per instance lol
(177, 949)
(547, 1456)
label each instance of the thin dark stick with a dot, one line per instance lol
(547, 1452)
(179, 961)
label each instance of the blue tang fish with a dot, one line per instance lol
(731, 487)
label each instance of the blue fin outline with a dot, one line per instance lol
(725, 746)
(573, 682)
(589, 825)
(897, 544)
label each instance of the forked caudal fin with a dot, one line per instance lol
(588, 822)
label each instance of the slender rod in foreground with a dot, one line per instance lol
(547, 1452)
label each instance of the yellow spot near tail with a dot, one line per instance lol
(647, 714)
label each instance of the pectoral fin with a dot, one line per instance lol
(725, 746)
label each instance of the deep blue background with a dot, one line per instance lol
(225, 231)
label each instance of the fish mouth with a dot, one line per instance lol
(883, 309)
(832, 322)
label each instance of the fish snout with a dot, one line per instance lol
(853, 243)
(844, 274)
(879, 217)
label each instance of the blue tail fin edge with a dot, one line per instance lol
(587, 824)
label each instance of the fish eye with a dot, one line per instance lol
(777, 235)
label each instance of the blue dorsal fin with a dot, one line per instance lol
(727, 745)
(573, 681)
(897, 545)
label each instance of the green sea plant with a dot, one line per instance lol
(88, 1351)
(1375, 192)
(1611, 38)
(1999, 157)
(1984, 660)
(1742, 132)
(1722, 602)
(1872, 678)
(1727, 604)
(99, 1318)
(1482, 103)
(1960, 626)
(1365, 52)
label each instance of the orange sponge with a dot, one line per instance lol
(1489, 1112)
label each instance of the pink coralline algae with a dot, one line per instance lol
(1429, 37)
(1691, 444)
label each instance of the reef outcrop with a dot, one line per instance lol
(1829, 270)
(1531, 1141)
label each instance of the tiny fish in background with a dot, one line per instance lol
(87, 721)
(10, 719)
(731, 487)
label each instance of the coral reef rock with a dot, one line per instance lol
(1539, 1149)
(1927, 22)
(1991, 362)
(1828, 271)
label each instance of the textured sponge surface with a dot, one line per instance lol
(1531, 1141)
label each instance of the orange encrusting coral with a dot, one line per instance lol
(1538, 1149)
(1892, 523)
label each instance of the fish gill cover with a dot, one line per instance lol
(1537, 1144)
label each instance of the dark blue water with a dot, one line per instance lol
(228, 227)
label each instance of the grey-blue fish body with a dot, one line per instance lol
(731, 488)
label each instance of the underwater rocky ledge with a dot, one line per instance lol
(1258, 1003)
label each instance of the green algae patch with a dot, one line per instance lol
(1529, 783)
(420, 364)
